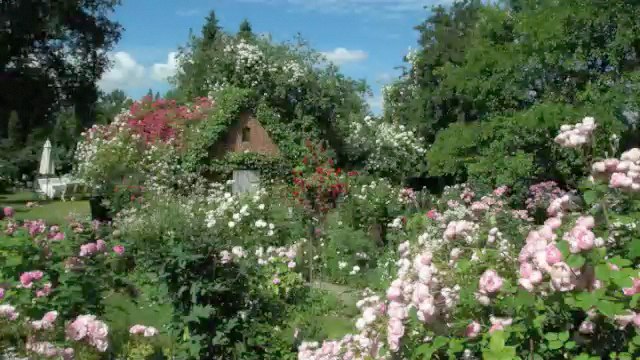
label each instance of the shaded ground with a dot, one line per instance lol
(341, 323)
(348, 296)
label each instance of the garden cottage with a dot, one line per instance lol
(246, 135)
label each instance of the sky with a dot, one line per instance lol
(366, 38)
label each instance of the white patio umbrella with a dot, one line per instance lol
(47, 167)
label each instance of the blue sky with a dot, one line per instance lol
(367, 38)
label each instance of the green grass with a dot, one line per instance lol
(52, 211)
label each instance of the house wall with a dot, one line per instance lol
(259, 140)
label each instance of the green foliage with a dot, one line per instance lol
(516, 149)
(245, 30)
(82, 29)
(15, 132)
(270, 167)
(486, 84)
(230, 103)
(306, 97)
(211, 28)
(111, 104)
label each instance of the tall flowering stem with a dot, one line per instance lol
(318, 186)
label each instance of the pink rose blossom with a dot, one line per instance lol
(554, 223)
(432, 214)
(137, 329)
(624, 320)
(634, 289)
(394, 293)
(587, 327)
(8, 212)
(45, 291)
(490, 282)
(501, 190)
(101, 245)
(118, 249)
(8, 312)
(620, 180)
(498, 324)
(562, 277)
(553, 254)
(473, 330)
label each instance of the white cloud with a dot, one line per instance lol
(376, 103)
(160, 72)
(384, 77)
(342, 55)
(125, 72)
(188, 12)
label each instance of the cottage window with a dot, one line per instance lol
(246, 134)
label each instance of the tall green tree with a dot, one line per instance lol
(510, 67)
(211, 28)
(245, 30)
(52, 53)
(111, 104)
(418, 99)
(16, 133)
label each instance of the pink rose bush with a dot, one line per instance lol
(146, 331)
(576, 135)
(51, 276)
(556, 289)
(143, 142)
(90, 330)
(622, 173)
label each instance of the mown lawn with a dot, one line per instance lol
(52, 211)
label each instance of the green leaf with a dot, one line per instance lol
(551, 336)
(13, 261)
(538, 322)
(570, 345)
(633, 249)
(525, 298)
(563, 246)
(624, 356)
(586, 300)
(636, 340)
(603, 272)
(609, 309)
(455, 346)
(497, 341)
(575, 261)
(563, 336)
(620, 262)
(590, 197)
(555, 344)
(428, 349)
(621, 279)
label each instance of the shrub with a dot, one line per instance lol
(51, 277)
(476, 281)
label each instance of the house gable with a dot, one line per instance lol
(246, 135)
